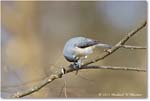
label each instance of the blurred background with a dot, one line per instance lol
(33, 35)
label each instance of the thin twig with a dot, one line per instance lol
(65, 89)
(61, 90)
(132, 47)
(115, 68)
(70, 68)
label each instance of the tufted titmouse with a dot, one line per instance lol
(78, 48)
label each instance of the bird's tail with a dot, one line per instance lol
(103, 45)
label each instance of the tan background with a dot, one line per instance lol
(34, 33)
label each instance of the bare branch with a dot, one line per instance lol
(37, 87)
(118, 45)
(70, 68)
(132, 47)
(115, 68)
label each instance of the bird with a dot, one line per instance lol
(77, 49)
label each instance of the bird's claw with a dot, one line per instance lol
(77, 65)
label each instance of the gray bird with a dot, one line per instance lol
(78, 48)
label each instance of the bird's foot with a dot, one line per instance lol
(77, 65)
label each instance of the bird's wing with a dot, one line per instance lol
(87, 44)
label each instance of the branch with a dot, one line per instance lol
(70, 68)
(132, 47)
(118, 45)
(37, 87)
(115, 68)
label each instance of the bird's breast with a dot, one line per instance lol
(83, 51)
